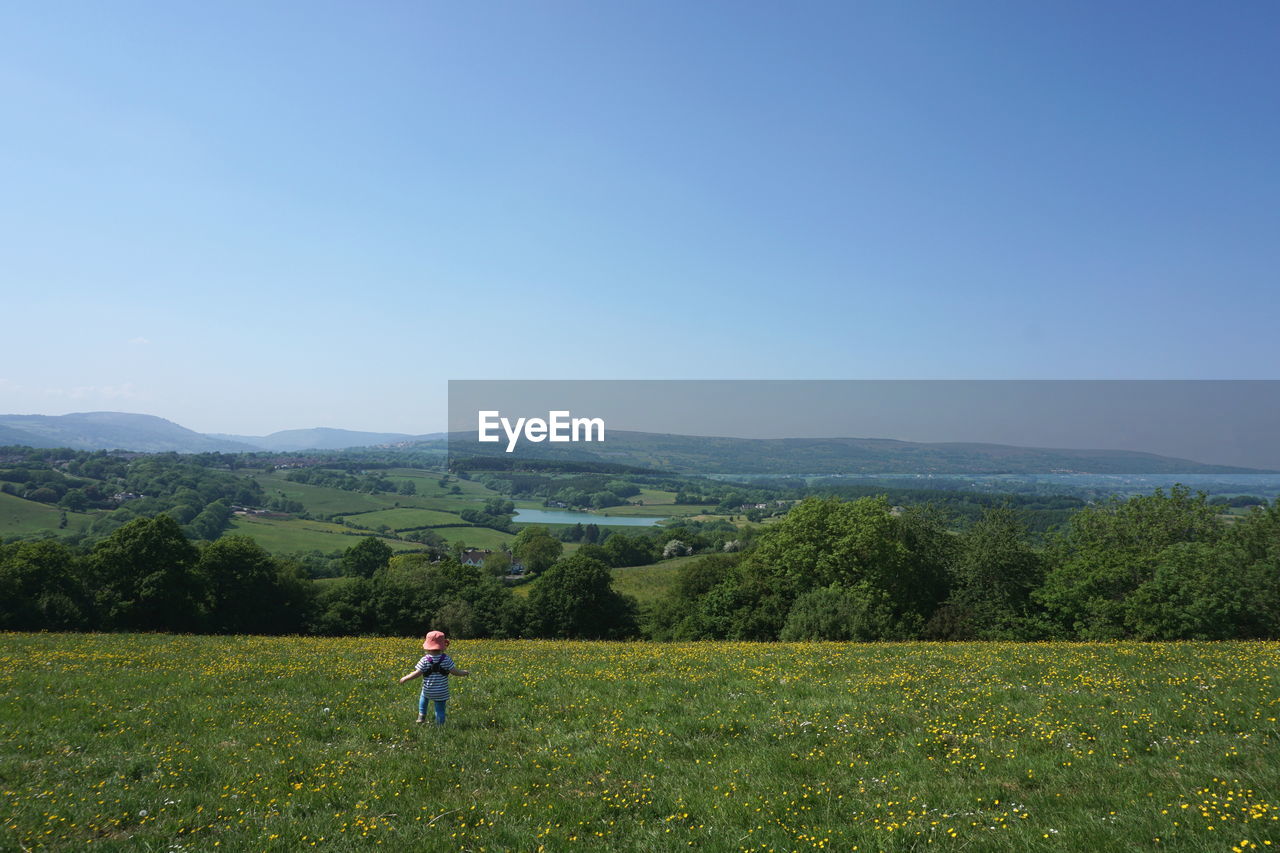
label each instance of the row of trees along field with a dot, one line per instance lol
(1162, 566)
(1157, 567)
(148, 576)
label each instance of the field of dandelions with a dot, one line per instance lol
(169, 743)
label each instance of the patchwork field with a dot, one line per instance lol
(323, 499)
(137, 742)
(297, 536)
(477, 537)
(432, 506)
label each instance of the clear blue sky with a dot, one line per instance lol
(247, 217)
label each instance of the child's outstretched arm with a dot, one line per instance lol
(411, 676)
(459, 672)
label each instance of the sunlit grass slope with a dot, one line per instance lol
(193, 743)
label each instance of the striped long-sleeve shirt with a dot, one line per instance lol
(435, 684)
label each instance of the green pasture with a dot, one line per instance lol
(185, 743)
(325, 500)
(443, 503)
(21, 517)
(657, 511)
(405, 518)
(426, 483)
(428, 486)
(652, 582)
(653, 497)
(476, 537)
(646, 583)
(294, 536)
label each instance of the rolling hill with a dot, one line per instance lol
(151, 434)
(840, 456)
(110, 431)
(687, 454)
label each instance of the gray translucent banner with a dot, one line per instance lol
(884, 426)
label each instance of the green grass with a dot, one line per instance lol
(426, 484)
(21, 517)
(476, 537)
(655, 496)
(650, 583)
(323, 500)
(469, 489)
(646, 583)
(453, 504)
(648, 511)
(153, 742)
(295, 536)
(605, 529)
(405, 518)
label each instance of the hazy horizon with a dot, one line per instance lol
(1226, 422)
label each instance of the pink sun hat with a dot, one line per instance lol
(436, 641)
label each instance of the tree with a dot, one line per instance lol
(366, 557)
(575, 598)
(995, 572)
(536, 549)
(343, 607)
(413, 594)
(402, 598)
(75, 500)
(245, 587)
(1110, 551)
(145, 579)
(675, 548)
(895, 566)
(826, 541)
(456, 618)
(41, 588)
(498, 563)
(623, 550)
(211, 521)
(1212, 590)
(1202, 591)
(858, 613)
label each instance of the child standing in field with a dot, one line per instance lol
(435, 668)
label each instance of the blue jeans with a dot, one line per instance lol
(422, 708)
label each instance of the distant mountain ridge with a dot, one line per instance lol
(322, 438)
(840, 456)
(681, 453)
(111, 431)
(151, 434)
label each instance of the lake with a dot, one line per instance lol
(560, 516)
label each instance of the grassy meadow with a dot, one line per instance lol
(322, 499)
(650, 583)
(155, 742)
(405, 518)
(19, 517)
(295, 535)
